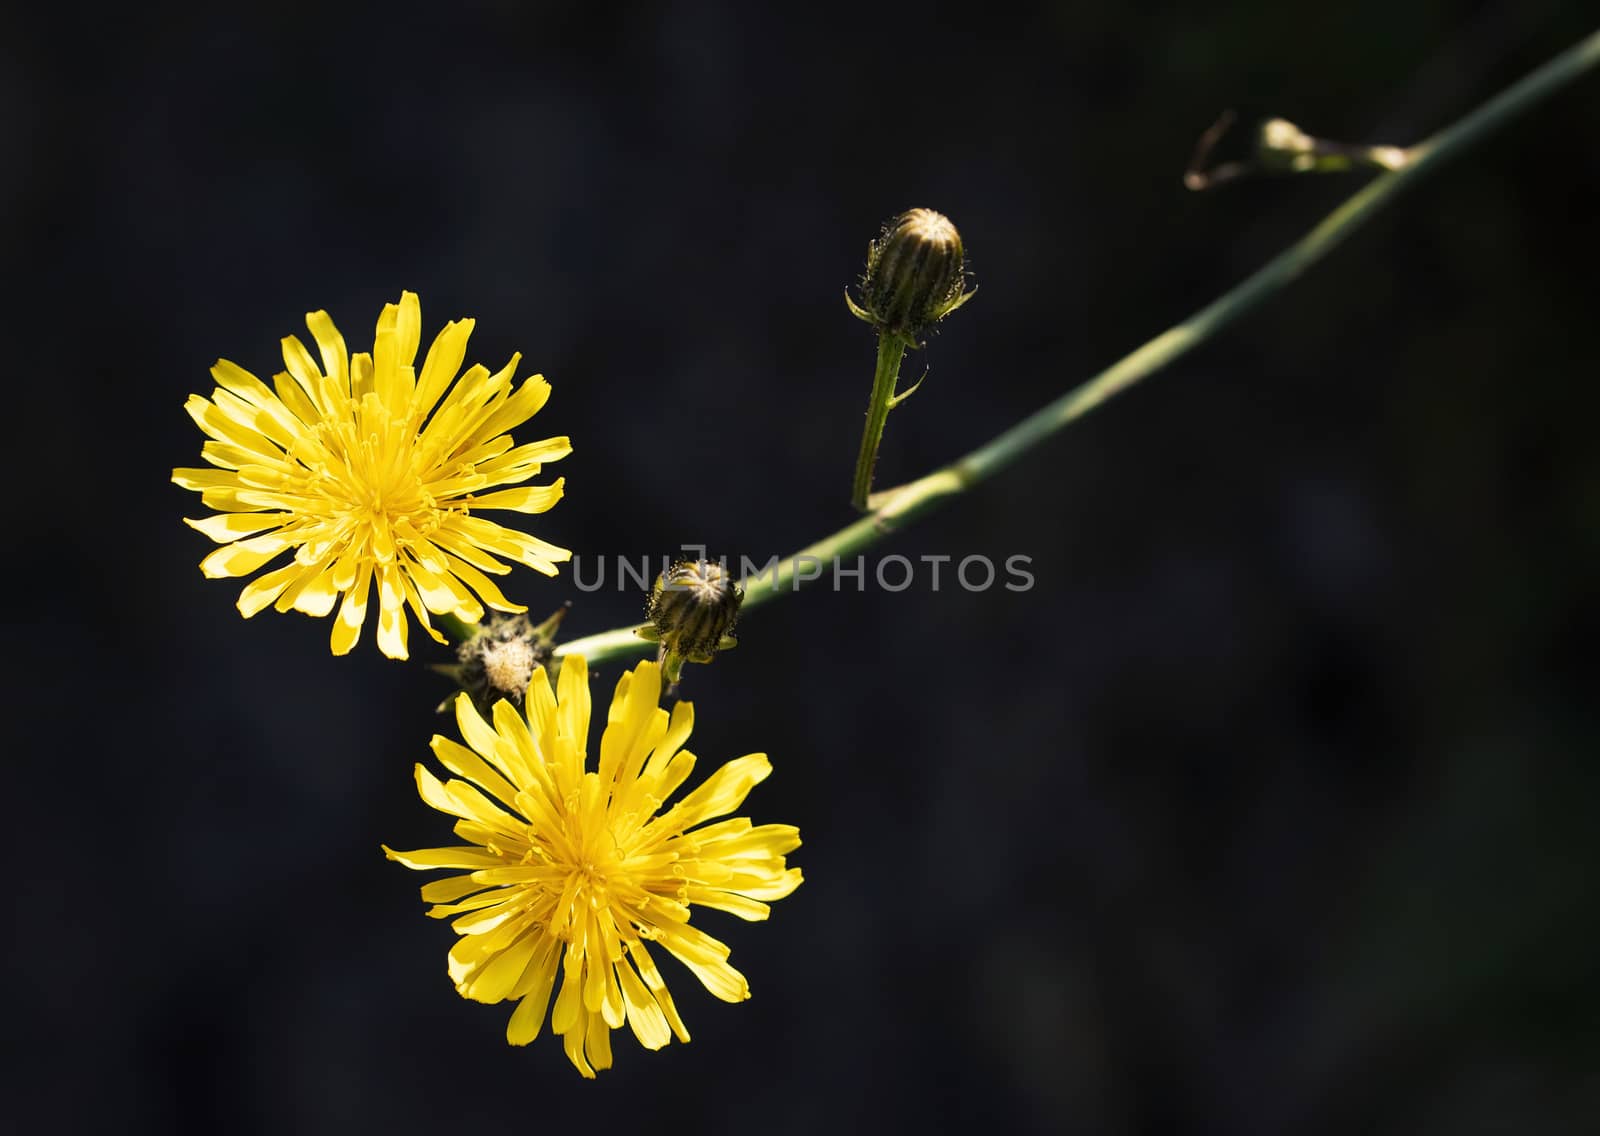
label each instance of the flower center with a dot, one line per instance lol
(508, 666)
(374, 481)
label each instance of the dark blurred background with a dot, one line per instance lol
(1269, 810)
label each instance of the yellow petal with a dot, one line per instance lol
(597, 1043)
(335, 360)
(315, 593)
(463, 856)
(568, 1000)
(641, 723)
(443, 593)
(664, 783)
(522, 461)
(465, 885)
(454, 545)
(272, 423)
(572, 700)
(294, 396)
(461, 799)
(218, 424)
(594, 978)
(482, 585)
(649, 1024)
(725, 790)
(572, 1043)
(528, 499)
(540, 555)
(474, 730)
(352, 613)
(448, 889)
(304, 370)
(652, 979)
(749, 910)
(517, 409)
(225, 527)
(394, 349)
(539, 706)
(261, 591)
(485, 918)
(460, 760)
(678, 731)
(534, 990)
(444, 359)
(391, 614)
(360, 376)
(708, 959)
(203, 479)
(777, 889)
(738, 839)
(514, 751)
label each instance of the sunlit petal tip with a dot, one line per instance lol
(224, 369)
(343, 637)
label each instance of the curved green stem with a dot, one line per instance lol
(894, 508)
(891, 349)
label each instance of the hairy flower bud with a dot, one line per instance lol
(498, 659)
(916, 274)
(693, 608)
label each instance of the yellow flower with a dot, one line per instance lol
(353, 468)
(573, 870)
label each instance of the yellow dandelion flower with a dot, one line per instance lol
(573, 870)
(369, 472)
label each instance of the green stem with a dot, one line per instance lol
(897, 507)
(458, 631)
(891, 349)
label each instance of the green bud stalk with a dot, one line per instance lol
(916, 275)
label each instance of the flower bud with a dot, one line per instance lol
(498, 660)
(915, 274)
(693, 608)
